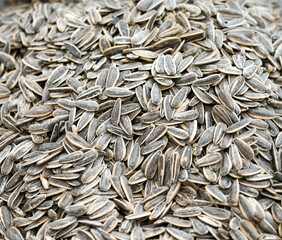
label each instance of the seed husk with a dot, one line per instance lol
(140, 119)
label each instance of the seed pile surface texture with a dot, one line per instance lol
(132, 120)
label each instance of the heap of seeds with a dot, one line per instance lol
(151, 119)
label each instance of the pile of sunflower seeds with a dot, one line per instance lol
(132, 120)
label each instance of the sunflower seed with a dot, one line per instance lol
(135, 120)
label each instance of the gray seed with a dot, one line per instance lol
(156, 94)
(179, 97)
(178, 234)
(87, 105)
(246, 208)
(199, 227)
(216, 193)
(57, 74)
(75, 210)
(209, 159)
(245, 150)
(169, 65)
(118, 92)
